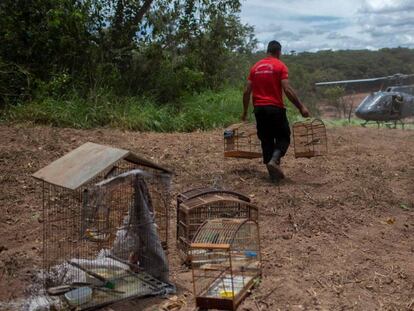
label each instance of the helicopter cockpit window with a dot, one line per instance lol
(382, 102)
(376, 102)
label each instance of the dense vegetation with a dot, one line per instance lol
(159, 48)
(147, 64)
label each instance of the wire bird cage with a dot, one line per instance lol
(198, 205)
(310, 139)
(225, 261)
(241, 141)
(105, 226)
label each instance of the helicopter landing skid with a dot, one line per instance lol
(368, 122)
(392, 125)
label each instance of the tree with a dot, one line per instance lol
(334, 97)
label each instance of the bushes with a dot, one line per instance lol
(15, 84)
(157, 48)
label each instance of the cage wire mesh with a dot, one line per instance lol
(241, 141)
(198, 205)
(309, 138)
(107, 236)
(226, 262)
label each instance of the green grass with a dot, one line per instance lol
(203, 111)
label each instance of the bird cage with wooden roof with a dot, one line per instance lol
(225, 261)
(309, 138)
(241, 141)
(105, 226)
(198, 205)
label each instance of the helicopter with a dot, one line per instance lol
(393, 102)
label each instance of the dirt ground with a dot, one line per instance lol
(337, 234)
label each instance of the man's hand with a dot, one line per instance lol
(304, 112)
(291, 94)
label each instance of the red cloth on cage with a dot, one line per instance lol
(266, 77)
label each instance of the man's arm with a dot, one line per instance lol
(291, 94)
(246, 99)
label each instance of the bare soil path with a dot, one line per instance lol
(337, 234)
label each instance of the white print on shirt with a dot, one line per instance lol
(264, 69)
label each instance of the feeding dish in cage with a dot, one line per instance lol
(309, 138)
(198, 205)
(103, 207)
(225, 261)
(96, 236)
(241, 141)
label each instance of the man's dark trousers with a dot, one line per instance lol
(273, 130)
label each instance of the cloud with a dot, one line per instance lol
(316, 18)
(337, 36)
(386, 7)
(310, 25)
(388, 22)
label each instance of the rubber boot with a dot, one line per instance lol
(273, 167)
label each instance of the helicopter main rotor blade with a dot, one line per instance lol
(401, 76)
(398, 76)
(345, 82)
(357, 86)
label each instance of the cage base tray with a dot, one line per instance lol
(134, 285)
(212, 299)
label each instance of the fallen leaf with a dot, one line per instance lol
(391, 220)
(404, 207)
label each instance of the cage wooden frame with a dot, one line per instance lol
(226, 262)
(309, 138)
(241, 141)
(71, 235)
(200, 204)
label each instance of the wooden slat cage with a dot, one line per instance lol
(241, 141)
(226, 262)
(198, 205)
(103, 210)
(309, 138)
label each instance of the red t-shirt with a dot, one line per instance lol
(266, 77)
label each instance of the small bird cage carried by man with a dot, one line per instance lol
(198, 205)
(105, 216)
(309, 138)
(226, 262)
(241, 141)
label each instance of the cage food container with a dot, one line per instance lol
(79, 296)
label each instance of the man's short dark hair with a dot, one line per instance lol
(274, 47)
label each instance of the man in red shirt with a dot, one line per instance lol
(267, 80)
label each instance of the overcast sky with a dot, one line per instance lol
(311, 25)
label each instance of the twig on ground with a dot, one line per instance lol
(320, 283)
(311, 292)
(269, 293)
(257, 304)
(292, 222)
